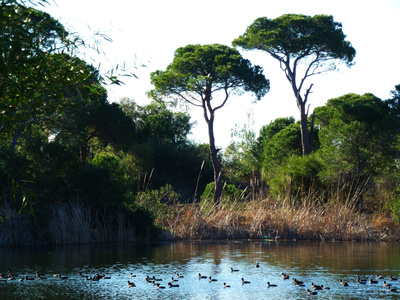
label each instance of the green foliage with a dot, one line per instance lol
(240, 157)
(230, 193)
(356, 134)
(298, 36)
(199, 70)
(304, 46)
(297, 178)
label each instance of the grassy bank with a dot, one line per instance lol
(276, 220)
(75, 223)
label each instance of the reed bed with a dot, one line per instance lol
(277, 220)
(75, 223)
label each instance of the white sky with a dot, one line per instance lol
(149, 31)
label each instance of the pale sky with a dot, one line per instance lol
(148, 32)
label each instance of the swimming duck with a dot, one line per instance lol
(234, 270)
(361, 280)
(390, 289)
(160, 286)
(39, 274)
(27, 278)
(371, 281)
(156, 279)
(173, 285)
(344, 283)
(131, 284)
(226, 285)
(149, 280)
(211, 279)
(297, 282)
(379, 277)
(325, 287)
(105, 277)
(244, 281)
(284, 276)
(391, 278)
(386, 284)
(133, 275)
(40, 277)
(179, 276)
(173, 279)
(202, 277)
(315, 286)
(271, 285)
(311, 292)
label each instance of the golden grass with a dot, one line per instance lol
(276, 220)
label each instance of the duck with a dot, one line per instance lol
(297, 282)
(271, 285)
(159, 286)
(386, 284)
(202, 277)
(149, 280)
(371, 281)
(96, 277)
(173, 285)
(156, 279)
(39, 274)
(27, 278)
(179, 276)
(40, 277)
(325, 287)
(390, 289)
(311, 292)
(244, 281)
(379, 277)
(234, 270)
(226, 285)
(361, 280)
(344, 283)
(315, 286)
(133, 275)
(105, 277)
(391, 278)
(21, 279)
(173, 279)
(284, 276)
(211, 279)
(257, 265)
(131, 284)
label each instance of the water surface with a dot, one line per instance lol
(322, 263)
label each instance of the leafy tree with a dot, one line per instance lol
(163, 149)
(358, 139)
(199, 74)
(304, 46)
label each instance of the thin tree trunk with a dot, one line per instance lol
(216, 163)
(305, 140)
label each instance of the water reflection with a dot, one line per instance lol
(319, 262)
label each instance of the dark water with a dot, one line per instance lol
(321, 263)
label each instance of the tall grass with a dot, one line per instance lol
(273, 219)
(75, 223)
(18, 229)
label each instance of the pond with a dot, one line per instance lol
(322, 263)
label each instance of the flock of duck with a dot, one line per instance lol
(174, 282)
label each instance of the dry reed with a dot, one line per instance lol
(277, 220)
